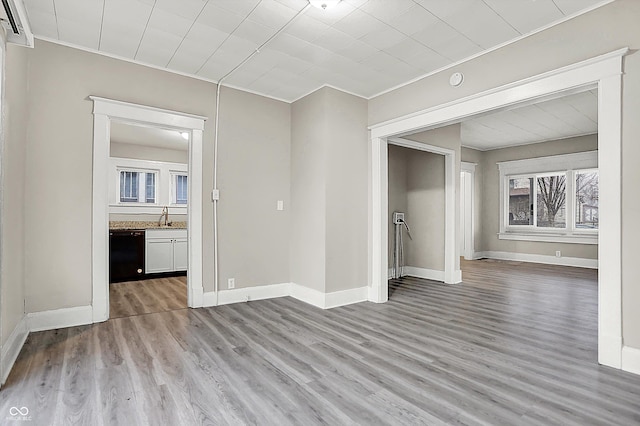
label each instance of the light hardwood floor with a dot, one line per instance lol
(147, 296)
(515, 344)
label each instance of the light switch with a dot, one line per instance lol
(280, 206)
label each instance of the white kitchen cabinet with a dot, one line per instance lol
(165, 250)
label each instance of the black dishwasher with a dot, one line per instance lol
(126, 255)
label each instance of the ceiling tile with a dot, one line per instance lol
(331, 16)
(569, 7)
(243, 7)
(384, 38)
(42, 6)
(45, 23)
(157, 47)
(306, 28)
(167, 22)
(199, 44)
(87, 11)
(413, 20)
(288, 44)
(253, 32)
(386, 10)
(188, 9)
(526, 15)
(446, 41)
(79, 32)
(333, 39)
(272, 14)
(359, 24)
(219, 18)
(357, 51)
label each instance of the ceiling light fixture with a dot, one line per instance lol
(324, 4)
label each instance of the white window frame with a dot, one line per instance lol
(164, 186)
(174, 186)
(567, 164)
(142, 187)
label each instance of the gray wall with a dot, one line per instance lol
(603, 30)
(59, 163)
(425, 210)
(416, 187)
(142, 152)
(490, 215)
(329, 167)
(398, 181)
(254, 163)
(308, 191)
(13, 198)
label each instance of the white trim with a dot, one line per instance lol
(577, 262)
(12, 347)
(631, 359)
(549, 237)
(322, 87)
(307, 295)
(247, 294)
(581, 75)
(552, 163)
(606, 72)
(467, 208)
(329, 300)
(346, 297)
(60, 318)
(105, 110)
(427, 274)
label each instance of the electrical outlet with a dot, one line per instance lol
(231, 283)
(558, 253)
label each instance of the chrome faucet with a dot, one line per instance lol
(165, 214)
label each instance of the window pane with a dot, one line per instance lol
(587, 200)
(128, 187)
(151, 188)
(552, 196)
(520, 201)
(181, 189)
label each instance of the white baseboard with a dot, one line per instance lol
(60, 318)
(631, 359)
(12, 347)
(346, 297)
(427, 274)
(307, 295)
(540, 258)
(237, 295)
(329, 300)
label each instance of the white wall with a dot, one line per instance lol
(13, 198)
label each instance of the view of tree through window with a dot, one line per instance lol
(587, 200)
(552, 197)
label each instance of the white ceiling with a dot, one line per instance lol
(568, 116)
(361, 46)
(148, 136)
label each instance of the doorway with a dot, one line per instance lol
(603, 72)
(106, 113)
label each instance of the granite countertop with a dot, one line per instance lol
(130, 224)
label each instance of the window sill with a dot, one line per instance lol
(549, 238)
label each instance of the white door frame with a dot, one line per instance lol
(604, 71)
(105, 110)
(467, 213)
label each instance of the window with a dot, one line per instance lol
(137, 186)
(179, 189)
(550, 199)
